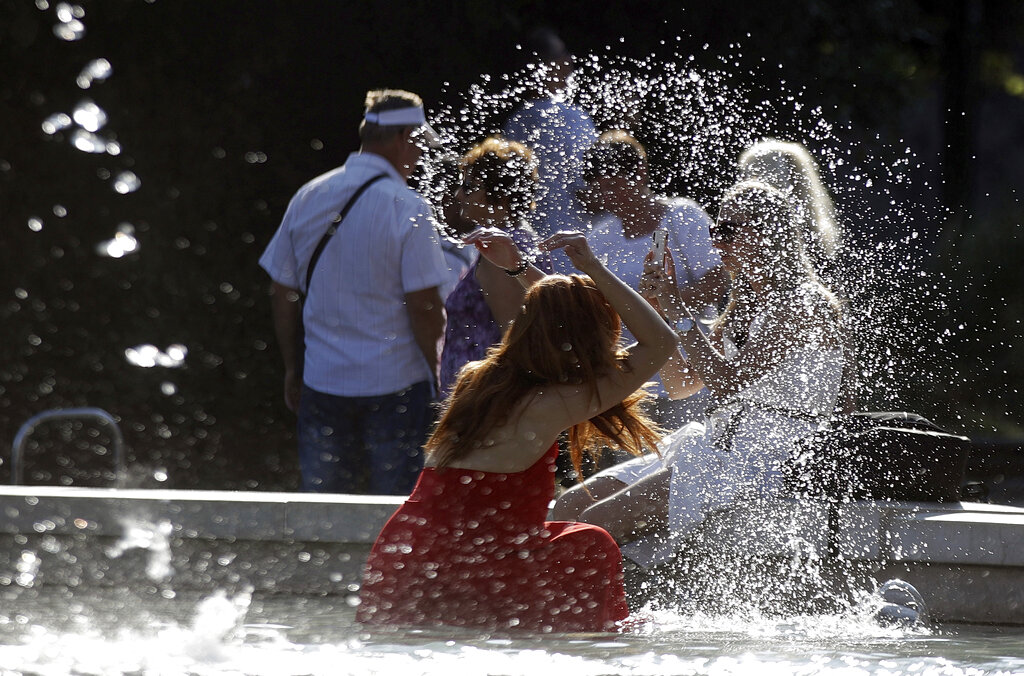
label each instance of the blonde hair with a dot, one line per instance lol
(773, 215)
(788, 167)
(505, 168)
(567, 332)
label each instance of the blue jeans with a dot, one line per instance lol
(368, 445)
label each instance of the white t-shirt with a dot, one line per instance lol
(689, 240)
(359, 339)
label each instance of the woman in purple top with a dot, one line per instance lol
(499, 182)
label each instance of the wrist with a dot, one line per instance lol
(519, 270)
(591, 267)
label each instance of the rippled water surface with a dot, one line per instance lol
(109, 631)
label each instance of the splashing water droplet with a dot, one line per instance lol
(88, 142)
(126, 182)
(56, 122)
(96, 70)
(89, 116)
(123, 242)
(70, 30)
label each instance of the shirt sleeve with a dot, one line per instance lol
(279, 259)
(423, 263)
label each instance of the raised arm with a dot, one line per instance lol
(655, 340)
(791, 320)
(498, 247)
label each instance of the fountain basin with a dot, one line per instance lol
(967, 559)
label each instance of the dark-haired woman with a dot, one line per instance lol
(471, 545)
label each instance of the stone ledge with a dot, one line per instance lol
(196, 514)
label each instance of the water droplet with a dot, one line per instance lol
(56, 122)
(88, 142)
(89, 116)
(70, 30)
(123, 242)
(96, 70)
(127, 182)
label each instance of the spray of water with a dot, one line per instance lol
(695, 123)
(154, 538)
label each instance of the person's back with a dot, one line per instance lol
(471, 546)
(361, 360)
(358, 338)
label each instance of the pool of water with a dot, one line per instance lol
(157, 631)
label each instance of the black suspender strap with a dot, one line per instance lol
(333, 228)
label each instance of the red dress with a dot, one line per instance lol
(472, 549)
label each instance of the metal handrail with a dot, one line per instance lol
(97, 414)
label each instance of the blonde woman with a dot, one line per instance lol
(773, 362)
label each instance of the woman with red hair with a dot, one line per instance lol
(471, 546)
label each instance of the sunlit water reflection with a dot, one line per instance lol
(110, 631)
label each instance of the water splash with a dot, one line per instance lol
(27, 568)
(217, 621)
(126, 182)
(154, 538)
(97, 70)
(123, 242)
(148, 356)
(56, 122)
(695, 122)
(69, 26)
(89, 116)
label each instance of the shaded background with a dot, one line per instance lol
(223, 109)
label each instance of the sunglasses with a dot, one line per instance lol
(725, 231)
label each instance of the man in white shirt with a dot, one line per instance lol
(627, 212)
(363, 385)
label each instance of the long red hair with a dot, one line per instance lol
(566, 333)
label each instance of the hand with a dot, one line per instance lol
(575, 246)
(496, 246)
(658, 285)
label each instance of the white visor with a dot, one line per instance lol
(412, 116)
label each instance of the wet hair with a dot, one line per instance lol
(567, 332)
(788, 167)
(378, 100)
(505, 168)
(772, 216)
(615, 153)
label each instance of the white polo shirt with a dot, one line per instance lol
(359, 340)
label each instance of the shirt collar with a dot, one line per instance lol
(373, 161)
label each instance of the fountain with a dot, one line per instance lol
(147, 580)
